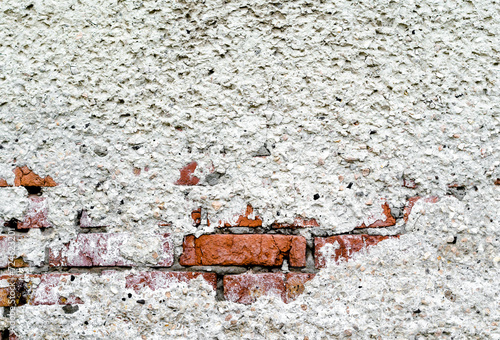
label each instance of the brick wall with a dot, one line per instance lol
(274, 259)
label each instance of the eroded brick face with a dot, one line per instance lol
(294, 285)
(411, 202)
(387, 220)
(247, 288)
(244, 220)
(27, 178)
(186, 175)
(243, 250)
(37, 214)
(157, 280)
(99, 249)
(347, 246)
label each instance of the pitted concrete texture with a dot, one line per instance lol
(144, 111)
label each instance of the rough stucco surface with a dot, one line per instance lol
(113, 98)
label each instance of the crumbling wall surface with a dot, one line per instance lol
(249, 170)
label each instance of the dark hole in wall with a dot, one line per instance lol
(34, 190)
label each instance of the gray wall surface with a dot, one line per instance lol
(276, 102)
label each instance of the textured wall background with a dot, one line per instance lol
(307, 109)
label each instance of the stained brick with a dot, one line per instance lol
(98, 249)
(37, 289)
(244, 220)
(295, 285)
(36, 216)
(348, 245)
(157, 280)
(375, 221)
(27, 178)
(411, 202)
(242, 250)
(186, 175)
(247, 288)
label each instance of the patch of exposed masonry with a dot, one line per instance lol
(301, 109)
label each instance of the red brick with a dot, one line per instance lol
(27, 178)
(295, 285)
(96, 249)
(36, 217)
(186, 176)
(157, 280)
(196, 216)
(374, 222)
(247, 288)
(299, 222)
(348, 245)
(46, 292)
(244, 220)
(3, 183)
(411, 202)
(243, 250)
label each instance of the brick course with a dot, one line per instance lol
(220, 249)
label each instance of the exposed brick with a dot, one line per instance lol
(36, 216)
(3, 183)
(186, 176)
(244, 220)
(348, 245)
(97, 249)
(27, 178)
(157, 280)
(295, 285)
(247, 288)
(411, 202)
(497, 181)
(375, 222)
(299, 222)
(196, 216)
(46, 292)
(242, 250)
